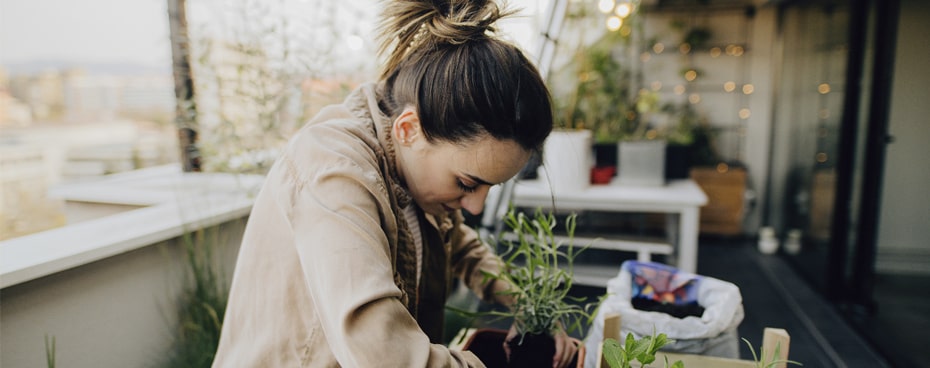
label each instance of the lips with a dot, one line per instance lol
(447, 208)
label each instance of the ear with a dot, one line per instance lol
(406, 128)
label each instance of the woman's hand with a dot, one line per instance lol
(565, 349)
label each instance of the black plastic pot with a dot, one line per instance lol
(534, 351)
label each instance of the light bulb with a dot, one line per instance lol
(614, 23)
(624, 10)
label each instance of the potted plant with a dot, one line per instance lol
(539, 267)
(599, 91)
(588, 89)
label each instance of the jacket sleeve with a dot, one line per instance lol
(336, 215)
(471, 258)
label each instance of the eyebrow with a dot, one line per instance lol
(478, 180)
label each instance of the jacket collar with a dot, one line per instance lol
(364, 103)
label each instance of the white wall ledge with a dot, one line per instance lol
(176, 203)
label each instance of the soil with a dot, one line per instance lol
(675, 310)
(535, 351)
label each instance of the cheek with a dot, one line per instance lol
(442, 190)
(433, 186)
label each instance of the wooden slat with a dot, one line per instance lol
(701, 361)
(776, 339)
(611, 331)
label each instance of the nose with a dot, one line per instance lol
(474, 202)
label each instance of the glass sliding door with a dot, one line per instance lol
(807, 131)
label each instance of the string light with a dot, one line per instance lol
(823, 88)
(624, 10)
(614, 23)
(822, 157)
(625, 30)
(729, 86)
(658, 48)
(691, 75)
(738, 51)
(744, 113)
(619, 10)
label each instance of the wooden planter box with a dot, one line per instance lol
(772, 340)
(723, 214)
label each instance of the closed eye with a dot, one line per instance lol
(465, 188)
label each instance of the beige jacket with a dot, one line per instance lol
(326, 273)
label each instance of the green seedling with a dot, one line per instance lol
(641, 350)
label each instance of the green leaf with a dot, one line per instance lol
(661, 341)
(613, 353)
(640, 346)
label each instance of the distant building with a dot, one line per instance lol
(24, 206)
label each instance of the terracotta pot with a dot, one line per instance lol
(602, 174)
(488, 345)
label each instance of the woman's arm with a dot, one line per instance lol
(471, 256)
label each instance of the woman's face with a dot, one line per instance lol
(444, 177)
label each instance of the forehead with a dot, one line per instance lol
(487, 158)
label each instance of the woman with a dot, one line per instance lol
(353, 241)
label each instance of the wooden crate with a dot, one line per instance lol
(773, 340)
(725, 189)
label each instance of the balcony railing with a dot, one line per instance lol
(105, 285)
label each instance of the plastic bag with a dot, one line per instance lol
(713, 333)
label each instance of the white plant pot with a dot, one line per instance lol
(768, 243)
(641, 163)
(567, 160)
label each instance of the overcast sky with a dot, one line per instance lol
(85, 31)
(100, 31)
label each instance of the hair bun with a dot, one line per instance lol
(460, 21)
(410, 24)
